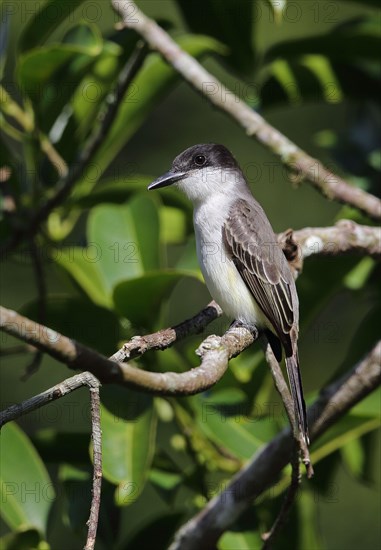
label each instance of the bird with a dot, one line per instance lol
(242, 263)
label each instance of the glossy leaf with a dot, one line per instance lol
(173, 225)
(82, 265)
(354, 39)
(80, 319)
(27, 492)
(309, 535)
(39, 66)
(45, 21)
(325, 67)
(239, 433)
(117, 191)
(347, 429)
(353, 455)
(128, 441)
(244, 540)
(127, 237)
(139, 299)
(123, 241)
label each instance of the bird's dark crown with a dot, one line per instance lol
(204, 155)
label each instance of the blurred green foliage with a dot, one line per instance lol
(125, 262)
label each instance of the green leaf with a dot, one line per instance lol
(354, 39)
(128, 441)
(239, 433)
(114, 191)
(359, 275)
(188, 259)
(80, 319)
(45, 21)
(38, 67)
(348, 428)
(165, 480)
(128, 238)
(140, 299)
(172, 224)
(27, 491)
(325, 67)
(230, 22)
(353, 455)
(82, 265)
(117, 191)
(330, 273)
(309, 536)
(123, 242)
(151, 84)
(244, 540)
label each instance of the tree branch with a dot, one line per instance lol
(215, 353)
(45, 397)
(167, 337)
(329, 184)
(344, 237)
(52, 394)
(203, 530)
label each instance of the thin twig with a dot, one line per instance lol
(203, 530)
(308, 168)
(40, 400)
(52, 394)
(167, 337)
(67, 182)
(97, 464)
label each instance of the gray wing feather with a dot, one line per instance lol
(252, 244)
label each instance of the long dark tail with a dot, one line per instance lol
(292, 364)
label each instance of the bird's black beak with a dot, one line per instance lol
(167, 179)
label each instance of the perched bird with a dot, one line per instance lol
(243, 265)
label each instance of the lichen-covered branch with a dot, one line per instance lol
(52, 394)
(215, 353)
(167, 337)
(307, 167)
(345, 237)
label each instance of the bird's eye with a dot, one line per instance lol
(199, 160)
